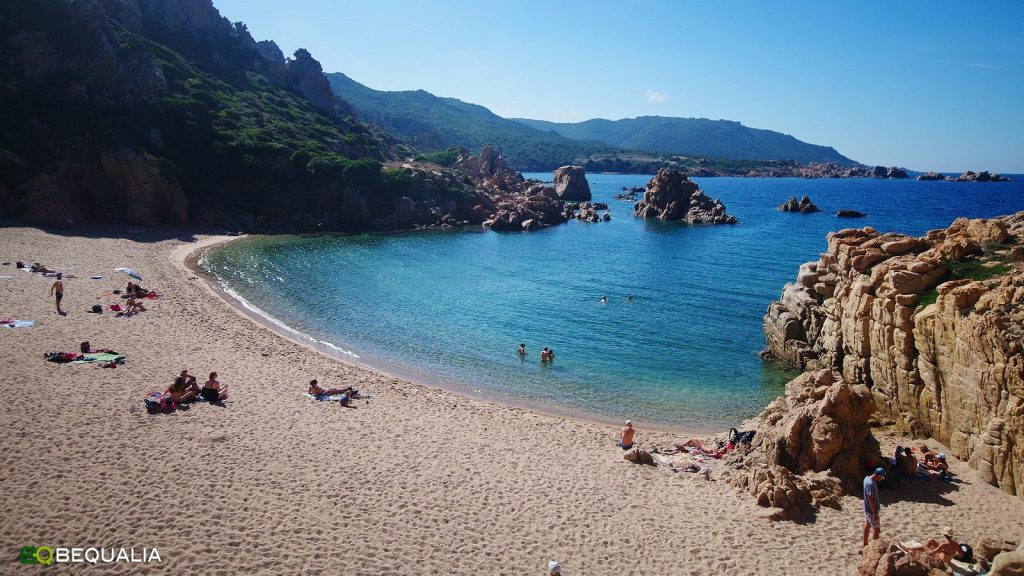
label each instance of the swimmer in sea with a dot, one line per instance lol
(629, 299)
(604, 299)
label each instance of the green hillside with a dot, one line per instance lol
(431, 123)
(157, 112)
(694, 136)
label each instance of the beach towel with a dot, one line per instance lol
(105, 357)
(342, 399)
(159, 403)
(19, 323)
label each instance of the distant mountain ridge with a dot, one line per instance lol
(432, 123)
(716, 138)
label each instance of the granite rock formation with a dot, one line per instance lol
(931, 177)
(932, 326)
(571, 184)
(980, 177)
(809, 446)
(804, 206)
(881, 558)
(846, 213)
(670, 195)
(489, 170)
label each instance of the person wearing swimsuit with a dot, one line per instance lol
(57, 291)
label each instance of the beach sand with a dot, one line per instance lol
(415, 481)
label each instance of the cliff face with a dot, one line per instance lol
(932, 326)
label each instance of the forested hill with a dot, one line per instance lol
(163, 111)
(431, 123)
(694, 136)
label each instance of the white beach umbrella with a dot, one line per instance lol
(129, 272)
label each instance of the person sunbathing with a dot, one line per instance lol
(713, 451)
(37, 267)
(316, 390)
(947, 550)
(133, 306)
(212, 390)
(937, 468)
(184, 388)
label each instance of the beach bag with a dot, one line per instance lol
(967, 553)
(162, 406)
(737, 437)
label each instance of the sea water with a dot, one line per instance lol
(677, 342)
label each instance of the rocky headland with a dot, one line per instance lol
(804, 206)
(670, 195)
(967, 176)
(923, 334)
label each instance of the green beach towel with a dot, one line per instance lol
(100, 357)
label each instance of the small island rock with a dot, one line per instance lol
(804, 206)
(672, 196)
(850, 214)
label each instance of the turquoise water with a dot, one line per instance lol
(452, 306)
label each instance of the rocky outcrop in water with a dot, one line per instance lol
(490, 171)
(804, 206)
(931, 177)
(670, 195)
(571, 184)
(980, 177)
(932, 326)
(845, 213)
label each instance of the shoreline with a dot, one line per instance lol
(191, 261)
(422, 480)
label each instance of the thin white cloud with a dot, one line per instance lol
(575, 113)
(655, 97)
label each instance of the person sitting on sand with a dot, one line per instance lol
(909, 462)
(522, 350)
(626, 436)
(133, 306)
(927, 456)
(212, 390)
(184, 388)
(938, 468)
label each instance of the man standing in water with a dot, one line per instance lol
(522, 350)
(871, 504)
(57, 291)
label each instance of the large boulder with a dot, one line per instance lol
(571, 184)
(882, 558)
(670, 195)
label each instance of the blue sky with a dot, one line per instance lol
(930, 85)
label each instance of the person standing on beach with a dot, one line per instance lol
(626, 435)
(871, 504)
(57, 291)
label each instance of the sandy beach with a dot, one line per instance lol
(416, 480)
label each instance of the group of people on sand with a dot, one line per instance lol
(185, 389)
(905, 463)
(546, 355)
(932, 464)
